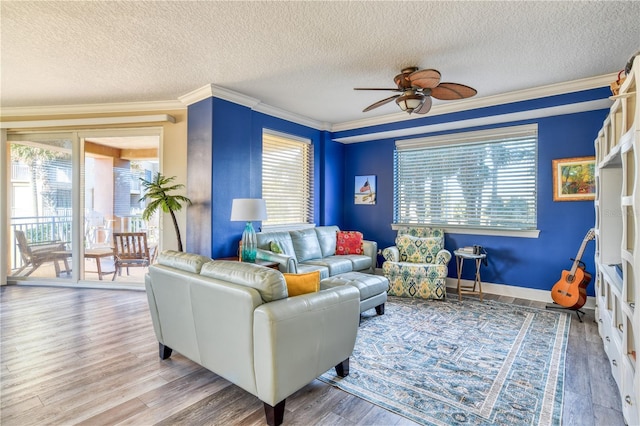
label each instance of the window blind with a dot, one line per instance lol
(484, 179)
(287, 179)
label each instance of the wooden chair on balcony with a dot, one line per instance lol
(35, 255)
(130, 250)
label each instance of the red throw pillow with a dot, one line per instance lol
(349, 242)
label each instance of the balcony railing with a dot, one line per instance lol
(38, 229)
(20, 173)
(42, 229)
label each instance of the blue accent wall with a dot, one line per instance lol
(235, 148)
(526, 262)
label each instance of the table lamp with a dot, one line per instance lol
(248, 209)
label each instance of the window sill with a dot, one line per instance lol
(290, 227)
(475, 231)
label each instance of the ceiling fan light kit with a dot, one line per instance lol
(409, 102)
(418, 87)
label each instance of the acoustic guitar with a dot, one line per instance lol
(571, 290)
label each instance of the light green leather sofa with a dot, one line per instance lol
(236, 320)
(314, 249)
(417, 265)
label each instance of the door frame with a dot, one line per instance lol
(78, 153)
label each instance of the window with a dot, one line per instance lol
(287, 179)
(484, 179)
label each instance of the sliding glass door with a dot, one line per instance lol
(113, 169)
(68, 193)
(40, 192)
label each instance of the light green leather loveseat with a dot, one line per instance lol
(314, 249)
(237, 320)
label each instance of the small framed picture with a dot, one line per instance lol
(365, 190)
(574, 179)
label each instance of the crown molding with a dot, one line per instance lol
(213, 91)
(487, 101)
(293, 117)
(92, 121)
(123, 107)
(481, 121)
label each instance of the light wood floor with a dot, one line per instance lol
(89, 356)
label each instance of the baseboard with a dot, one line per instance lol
(510, 291)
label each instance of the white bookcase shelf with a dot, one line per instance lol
(617, 236)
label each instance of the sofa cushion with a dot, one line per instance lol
(418, 250)
(306, 245)
(367, 284)
(298, 284)
(327, 239)
(307, 267)
(359, 262)
(349, 242)
(335, 264)
(283, 239)
(188, 262)
(268, 282)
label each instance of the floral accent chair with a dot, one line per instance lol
(417, 265)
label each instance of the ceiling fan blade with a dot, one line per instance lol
(380, 103)
(427, 79)
(425, 107)
(376, 88)
(450, 91)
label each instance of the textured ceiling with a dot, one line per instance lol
(302, 57)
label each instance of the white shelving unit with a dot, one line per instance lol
(617, 255)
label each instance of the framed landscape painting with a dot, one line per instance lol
(365, 190)
(574, 179)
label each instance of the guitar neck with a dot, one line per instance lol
(576, 262)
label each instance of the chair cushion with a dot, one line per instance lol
(418, 250)
(268, 282)
(349, 242)
(422, 232)
(306, 245)
(298, 284)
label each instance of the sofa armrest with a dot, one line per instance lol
(391, 254)
(371, 249)
(299, 338)
(443, 257)
(286, 263)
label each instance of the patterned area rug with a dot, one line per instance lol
(461, 363)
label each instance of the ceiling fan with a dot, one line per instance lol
(417, 87)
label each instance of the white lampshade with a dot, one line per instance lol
(248, 209)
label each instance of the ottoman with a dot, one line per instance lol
(372, 288)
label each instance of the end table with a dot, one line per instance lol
(460, 258)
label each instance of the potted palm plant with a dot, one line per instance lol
(159, 192)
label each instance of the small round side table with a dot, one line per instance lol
(460, 258)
